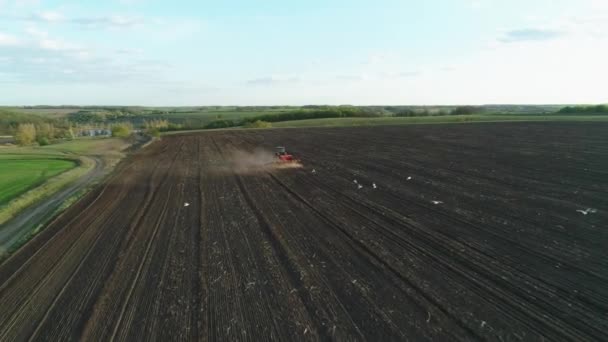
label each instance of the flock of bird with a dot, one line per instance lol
(359, 187)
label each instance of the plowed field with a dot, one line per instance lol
(472, 232)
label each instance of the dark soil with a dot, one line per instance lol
(472, 232)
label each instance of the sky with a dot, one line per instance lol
(296, 52)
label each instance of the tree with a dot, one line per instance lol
(70, 133)
(599, 109)
(45, 130)
(466, 110)
(220, 124)
(406, 112)
(153, 132)
(43, 141)
(160, 124)
(258, 124)
(26, 134)
(122, 130)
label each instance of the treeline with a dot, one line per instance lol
(330, 112)
(10, 120)
(42, 134)
(320, 112)
(201, 124)
(462, 110)
(258, 108)
(111, 115)
(28, 129)
(325, 112)
(599, 109)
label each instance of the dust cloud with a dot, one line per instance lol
(259, 160)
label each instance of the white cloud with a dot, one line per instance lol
(9, 40)
(130, 2)
(26, 3)
(49, 16)
(41, 39)
(274, 80)
(123, 21)
(36, 32)
(114, 21)
(378, 76)
(57, 45)
(129, 51)
(37, 60)
(478, 4)
(530, 34)
(352, 78)
(44, 58)
(108, 22)
(402, 74)
(173, 30)
(379, 58)
(598, 5)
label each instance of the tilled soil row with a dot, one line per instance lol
(434, 232)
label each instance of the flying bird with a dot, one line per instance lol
(186, 204)
(436, 202)
(409, 178)
(359, 186)
(588, 211)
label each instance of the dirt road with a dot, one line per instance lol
(471, 232)
(15, 229)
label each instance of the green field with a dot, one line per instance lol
(334, 122)
(444, 119)
(19, 173)
(87, 146)
(55, 113)
(31, 174)
(82, 146)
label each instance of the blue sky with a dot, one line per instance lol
(270, 52)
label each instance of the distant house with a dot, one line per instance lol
(5, 140)
(95, 133)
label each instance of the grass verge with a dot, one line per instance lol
(34, 230)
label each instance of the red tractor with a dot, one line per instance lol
(283, 156)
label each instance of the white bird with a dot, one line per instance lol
(314, 171)
(588, 211)
(409, 178)
(374, 185)
(436, 202)
(355, 181)
(359, 186)
(186, 204)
